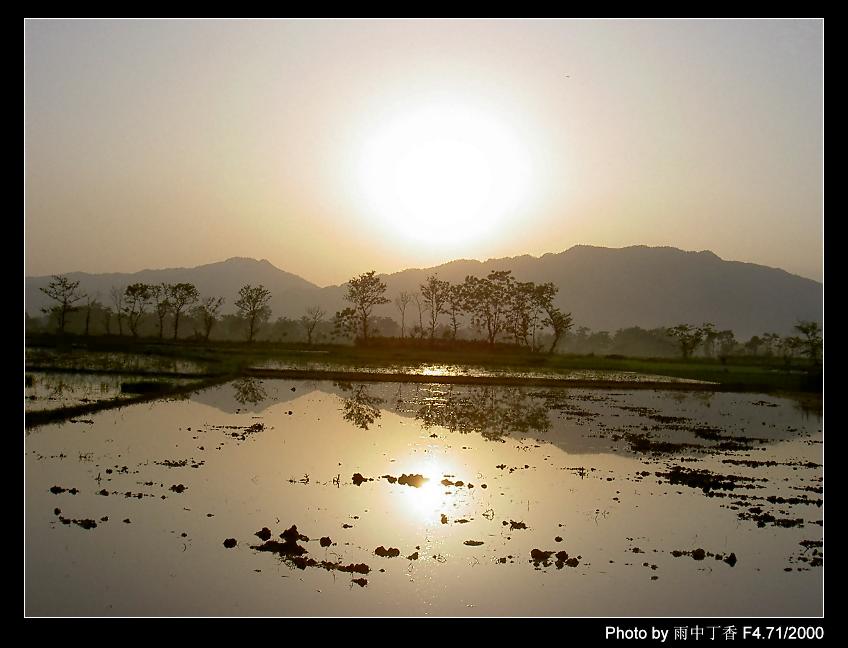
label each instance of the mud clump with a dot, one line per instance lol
(643, 443)
(701, 554)
(538, 556)
(85, 524)
(762, 519)
(172, 463)
(473, 543)
(513, 525)
(391, 552)
(293, 535)
(229, 543)
(326, 541)
(58, 489)
(362, 582)
(416, 481)
(706, 480)
(358, 479)
(413, 556)
(178, 488)
(288, 548)
(263, 534)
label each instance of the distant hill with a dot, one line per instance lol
(223, 278)
(604, 288)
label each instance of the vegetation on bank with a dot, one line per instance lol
(497, 309)
(761, 373)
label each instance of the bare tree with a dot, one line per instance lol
(434, 293)
(66, 293)
(454, 308)
(91, 302)
(117, 296)
(418, 329)
(401, 302)
(314, 316)
(207, 312)
(252, 306)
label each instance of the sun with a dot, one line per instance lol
(443, 174)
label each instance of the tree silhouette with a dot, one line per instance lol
(454, 308)
(314, 316)
(520, 314)
(434, 294)
(182, 296)
(117, 296)
(161, 304)
(207, 312)
(401, 302)
(726, 343)
(753, 345)
(66, 293)
(488, 301)
(136, 298)
(688, 337)
(418, 329)
(560, 322)
(91, 304)
(253, 308)
(709, 335)
(364, 292)
(812, 339)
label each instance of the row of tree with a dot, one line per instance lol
(723, 343)
(133, 304)
(497, 305)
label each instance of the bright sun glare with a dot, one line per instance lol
(444, 174)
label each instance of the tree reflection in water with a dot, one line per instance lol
(360, 408)
(492, 411)
(249, 391)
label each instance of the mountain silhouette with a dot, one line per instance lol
(604, 288)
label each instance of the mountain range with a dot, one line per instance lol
(603, 288)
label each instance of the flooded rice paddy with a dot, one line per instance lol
(468, 371)
(51, 391)
(293, 498)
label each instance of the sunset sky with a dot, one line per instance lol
(332, 147)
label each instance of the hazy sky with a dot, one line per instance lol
(335, 147)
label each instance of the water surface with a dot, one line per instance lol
(664, 504)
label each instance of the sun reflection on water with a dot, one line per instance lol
(426, 503)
